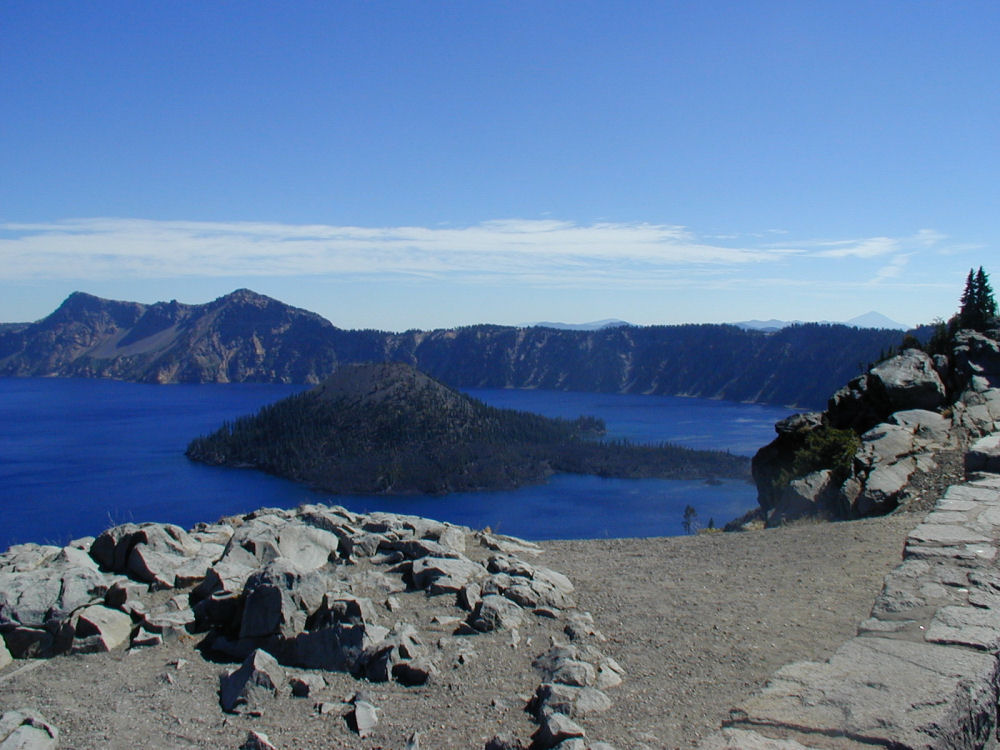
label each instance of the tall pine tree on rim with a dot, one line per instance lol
(978, 306)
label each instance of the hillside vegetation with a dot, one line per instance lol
(387, 428)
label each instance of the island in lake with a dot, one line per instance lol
(389, 428)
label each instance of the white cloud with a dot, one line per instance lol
(893, 269)
(528, 251)
(122, 248)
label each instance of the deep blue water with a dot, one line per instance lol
(78, 455)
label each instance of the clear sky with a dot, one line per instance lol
(426, 164)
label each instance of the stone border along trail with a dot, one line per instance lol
(923, 670)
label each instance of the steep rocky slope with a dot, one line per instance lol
(894, 436)
(245, 336)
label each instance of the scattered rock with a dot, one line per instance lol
(257, 741)
(554, 729)
(248, 688)
(304, 685)
(363, 716)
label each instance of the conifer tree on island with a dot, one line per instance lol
(979, 307)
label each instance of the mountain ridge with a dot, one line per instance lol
(248, 337)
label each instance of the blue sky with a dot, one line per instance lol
(427, 164)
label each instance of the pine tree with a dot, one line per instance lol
(966, 312)
(978, 306)
(986, 303)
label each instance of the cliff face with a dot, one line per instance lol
(893, 436)
(240, 337)
(248, 337)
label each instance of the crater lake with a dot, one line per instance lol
(79, 455)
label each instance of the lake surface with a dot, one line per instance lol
(79, 455)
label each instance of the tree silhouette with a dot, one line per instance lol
(690, 522)
(978, 309)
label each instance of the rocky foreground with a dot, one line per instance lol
(688, 625)
(319, 627)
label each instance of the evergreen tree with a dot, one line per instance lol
(966, 311)
(978, 306)
(986, 302)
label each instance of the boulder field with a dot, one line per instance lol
(290, 595)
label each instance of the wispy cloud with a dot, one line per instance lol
(893, 269)
(533, 251)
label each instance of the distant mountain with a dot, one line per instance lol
(388, 428)
(876, 320)
(868, 320)
(596, 325)
(245, 336)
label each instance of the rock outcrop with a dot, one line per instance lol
(317, 588)
(886, 438)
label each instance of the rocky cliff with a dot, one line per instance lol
(245, 336)
(893, 436)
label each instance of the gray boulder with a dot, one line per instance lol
(258, 537)
(35, 602)
(169, 622)
(984, 455)
(304, 685)
(279, 598)
(148, 552)
(98, 628)
(554, 729)
(22, 558)
(343, 646)
(495, 613)
(977, 356)
(26, 729)
(504, 741)
(307, 547)
(439, 575)
(5, 657)
(363, 716)
(910, 381)
(813, 495)
(127, 596)
(250, 687)
(892, 692)
(573, 701)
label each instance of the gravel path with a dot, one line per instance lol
(698, 623)
(701, 622)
